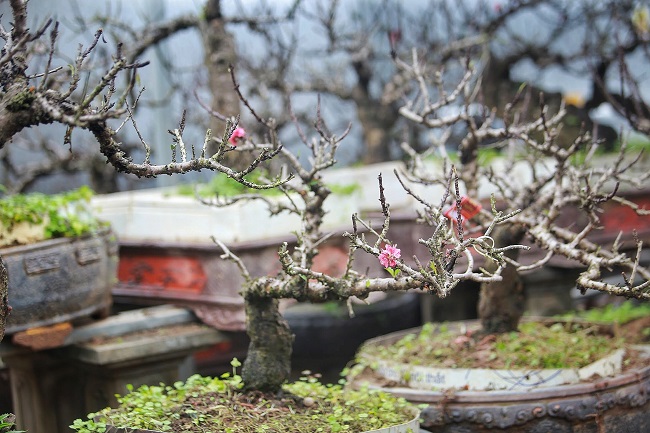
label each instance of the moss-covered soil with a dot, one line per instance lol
(536, 345)
(219, 405)
(575, 341)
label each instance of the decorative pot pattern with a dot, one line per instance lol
(615, 405)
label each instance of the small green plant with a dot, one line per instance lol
(7, 424)
(344, 189)
(633, 146)
(611, 313)
(222, 185)
(61, 215)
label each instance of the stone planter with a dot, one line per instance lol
(530, 402)
(60, 280)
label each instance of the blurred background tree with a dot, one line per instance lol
(571, 50)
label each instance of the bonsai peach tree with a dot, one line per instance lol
(267, 364)
(540, 175)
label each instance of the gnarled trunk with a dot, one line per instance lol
(268, 362)
(501, 304)
(4, 298)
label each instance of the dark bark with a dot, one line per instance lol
(268, 362)
(376, 121)
(4, 298)
(18, 110)
(501, 304)
(376, 118)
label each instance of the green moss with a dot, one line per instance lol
(22, 100)
(623, 313)
(64, 215)
(537, 345)
(217, 404)
(222, 185)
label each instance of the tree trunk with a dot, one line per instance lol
(268, 362)
(501, 304)
(220, 53)
(376, 122)
(4, 298)
(376, 117)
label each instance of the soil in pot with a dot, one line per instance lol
(218, 404)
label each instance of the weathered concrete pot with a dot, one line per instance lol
(619, 404)
(58, 280)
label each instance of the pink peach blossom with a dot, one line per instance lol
(236, 135)
(389, 255)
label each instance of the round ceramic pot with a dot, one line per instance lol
(616, 404)
(59, 280)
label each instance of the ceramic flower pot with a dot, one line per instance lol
(529, 403)
(59, 280)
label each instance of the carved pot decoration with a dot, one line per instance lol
(616, 403)
(58, 280)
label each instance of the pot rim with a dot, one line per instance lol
(424, 396)
(47, 243)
